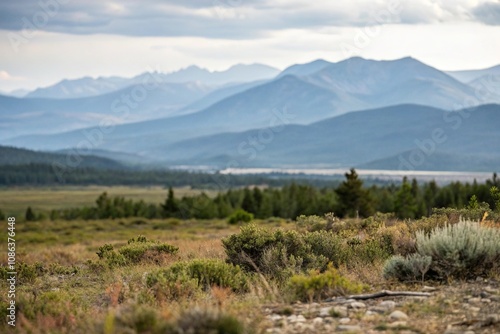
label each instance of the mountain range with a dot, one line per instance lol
(355, 112)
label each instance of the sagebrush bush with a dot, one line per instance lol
(204, 273)
(409, 268)
(462, 250)
(279, 253)
(272, 252)
(240, 216)
(316, 286)
(135, 251)
(202, 321)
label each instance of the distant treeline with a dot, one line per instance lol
(48, 175)
(350, 198)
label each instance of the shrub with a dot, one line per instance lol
(136, 319)
(311, 223)
(316, 285)
(204, 272)
(198, 321)
(135, 251)
(254, 249)
(407, 269)
(240, 216)
(463, 250)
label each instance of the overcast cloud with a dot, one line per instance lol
(46, 40)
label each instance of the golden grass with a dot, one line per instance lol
(16, 200)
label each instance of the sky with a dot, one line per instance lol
(45, 41)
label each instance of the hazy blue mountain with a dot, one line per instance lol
(441, 162)
(470, 75)
(17, 93)
(384, 83)
(353, 139)
(83, 87)
(42, 116)
(87, 86)
(259, 106)
(18, 156)
(237, 73)
(220, 94)
(306, 69)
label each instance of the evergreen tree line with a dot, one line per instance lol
(35, 174)
(350, 198)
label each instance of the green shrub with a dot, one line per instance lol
(204, 272)
(240, 216)
(311, 223)
(462, 250)
(411, 268)
(136, 319)
(198, 321)
(316, 285)
(135, 251)
(247, 250)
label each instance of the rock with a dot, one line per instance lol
(474, 300)
(329, 320)
(344, 321)
(339, 312)
(474, 309)
(324, 312)
(274, 317)
(388, 305)
(491, 291)
(495, 298)
(428, 289)
(484, 294)
(357, 305)
(348, 328)
(398, 315)
(300, 318)
(397, 324)
(492, 319)
(317, 321)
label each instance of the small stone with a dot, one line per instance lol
(485, 300)
(292, 318)
(492, 291)
(344, 321)
(339, 312)
(357, 305)
(474, 300)
(484, 294)
(300, 318)
(348, 328)
(389, 305)
(398, 315)
(318, 321)
(495, 298)
(397, 324)
(329, 320)
(492, 319)
(274, 317)
(474, 309)
(428, 289)
(324, 312)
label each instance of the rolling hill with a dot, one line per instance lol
(366, 138)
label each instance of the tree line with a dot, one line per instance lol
(350, 198)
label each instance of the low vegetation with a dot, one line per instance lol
(172, 275)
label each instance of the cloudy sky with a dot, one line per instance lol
(44, 41)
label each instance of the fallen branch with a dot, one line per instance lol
(385, 293)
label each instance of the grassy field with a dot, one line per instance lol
(14, 201)
(172, 276)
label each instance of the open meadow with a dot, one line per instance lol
(309, 275)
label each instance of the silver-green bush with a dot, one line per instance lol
(462, 250)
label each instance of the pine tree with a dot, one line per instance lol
(171, 206)
(354, 200)
(405, 205)
(30, 215)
